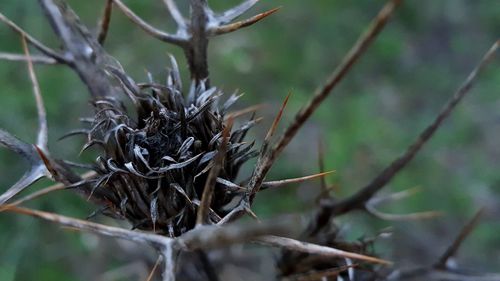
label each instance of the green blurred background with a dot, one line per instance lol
(422, 56)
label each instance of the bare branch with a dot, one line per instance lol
(169, 254)
(258, 175)
(40, 46)
(213, 236)
(244, 111)
(236, 212)
(47, 190)
(231, 14)
(321, 165)
(110, 231)
(37, 168)
(42, 136)
(455, 246)
(153, 270)
(23, 149)
(202, 237)
(104, 22)
(362, 196)
(196, 52)
(305, 247)
(394, 196)
(156, 33)
(402, 217)
(223, 29)
(26, 180)
(371, 207)
(208, 190)
(34, 59)
(176, 14)
(317, 275)
(277, 119)
(359, 48)
(278, 183)
(86, 55)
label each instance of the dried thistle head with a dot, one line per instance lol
(157, 153)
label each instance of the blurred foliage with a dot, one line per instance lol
(401, 82)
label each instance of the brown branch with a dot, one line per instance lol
(37, 168)
(258, 175)
(235, 12)
(250, 109)
(455, 246)
(310, 248)
(176, 14)
(359, 48)
(208, 190)
(85, 55)
(321, 165)
(37, 44)
(223, 29)
(403, 217)
(110, 231)
(359, 199)
(278, 183)
(47, 190)
(42, 135)
(196, 52)
(371, 207)
(104, 22)
(212, 236)
(34, 59)
(153, 270)
(156, 33)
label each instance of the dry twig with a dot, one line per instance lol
(359, 199)
(303, 115)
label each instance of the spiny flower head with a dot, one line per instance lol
(157, 153)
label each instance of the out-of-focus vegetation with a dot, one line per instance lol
(418, 61)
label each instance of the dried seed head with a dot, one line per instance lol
(158, 151)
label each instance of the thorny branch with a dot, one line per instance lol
(35, 59)
(360, 198)
(208, 190)
(193, 34)
(202, 237)
(42, 136)
(83, 52)
(359, 48)
(37, 44)
(104, 22)
(371, 205)
(37, 168)
(453, 248)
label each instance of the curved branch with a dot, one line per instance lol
(42, 136)
(223, 29)
(35, 59)
(40, 46)
(231, 14)
(359, 48)
(37, 168)
(358, 200)
(176, 14)
(104, 22)
(156, 33)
